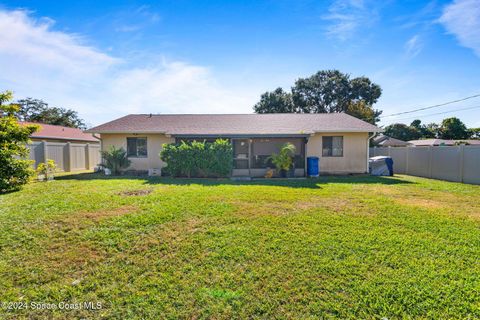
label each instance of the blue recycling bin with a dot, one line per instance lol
(312, 166)
(389, 163)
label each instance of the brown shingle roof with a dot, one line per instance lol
(236, 124)
(48, 131)
(386, 141)
(438, 142)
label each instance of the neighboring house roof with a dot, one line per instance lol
(48, 131)
(386, 141)
(236, 124)
(432, 142)
(439, 142)
(472, 142)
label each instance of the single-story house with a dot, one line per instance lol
(339, 140)
(442, 142)
(386, 141)
(53, 133)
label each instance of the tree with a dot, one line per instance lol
(364, 89)
(401, 131)
(30, 108)
(453, 128)
(362, 111)
(424, 131)
(325, 92)
(474, 133)
(332, 91)
(14, 171)
(36, 110)
(277, 101)
(433, 130)
(416, 124)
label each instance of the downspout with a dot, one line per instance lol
(368, 148)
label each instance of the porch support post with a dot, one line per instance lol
(305, 143)
(249, 157)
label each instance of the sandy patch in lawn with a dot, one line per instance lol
(141, 192)
(77, 221)
(164, 239)
(341, 205)
(66, 254)
(98, 215)
(424, 199)
(422, 203)
(441, 202)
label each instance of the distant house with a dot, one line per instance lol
(70, 148)
(442, 142)
(339, 140)
(386, 141)
(53, 133)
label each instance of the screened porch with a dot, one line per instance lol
(250, 155)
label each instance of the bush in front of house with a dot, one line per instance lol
(115, 159)
(198, 159)
(15, 171)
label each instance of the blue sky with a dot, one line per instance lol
(110, 58)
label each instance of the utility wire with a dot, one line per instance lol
(434, 114)
(431, 107)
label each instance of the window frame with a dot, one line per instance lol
(137, 155)
(330, 154)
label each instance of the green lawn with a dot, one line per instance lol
(351, 247)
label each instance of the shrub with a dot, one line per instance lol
(115, 159)
(284, 159)
(198, 159)
(221, 157)
(15, 171)
(47, 169)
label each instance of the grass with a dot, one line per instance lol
(350, 247)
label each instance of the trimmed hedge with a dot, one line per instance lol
(198, 159)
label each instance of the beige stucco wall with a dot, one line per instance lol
(154, 146)
(354, 158)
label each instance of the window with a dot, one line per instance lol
(332, 146)
(137, 147)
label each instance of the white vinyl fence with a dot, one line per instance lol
(68, 156)
(452, 163)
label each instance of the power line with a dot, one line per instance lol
(431, 107)
(434, 114)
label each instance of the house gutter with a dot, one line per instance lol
(240, 136)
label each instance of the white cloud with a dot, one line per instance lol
(462, 19)
(61, 69)
(33, 42)
(347, 16)
(413, 46)
(134, 19)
